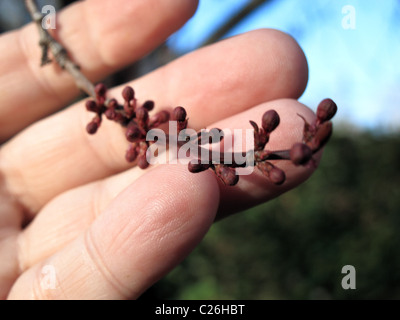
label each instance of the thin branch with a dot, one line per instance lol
(47, 42)
(233, 21)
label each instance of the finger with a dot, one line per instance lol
(63, 156)
(71, 213)
(255, 189)
(143, 234)
(224, 79)
(101, 35)
(11, 219)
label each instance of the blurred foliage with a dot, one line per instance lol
(295, 246)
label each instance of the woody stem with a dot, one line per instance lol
(47, 42)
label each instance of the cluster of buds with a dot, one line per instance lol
(134, 118)
(269, 122)
(138, 122)
(315, 136)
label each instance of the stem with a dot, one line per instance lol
(47, 42)
(233, 21)
(222, 156)
(278, 155)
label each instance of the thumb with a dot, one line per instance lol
(144, 233)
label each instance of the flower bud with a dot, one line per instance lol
(277, 176)
(300, 154)
(195, 167)
(113, 103)
(92, 127)
(131, 153)
(148, 105)
(110, 113)
(142, 162)
(133, 133)
(128, 93)
(179, 114)
(270, 120)
(100, 90)
(274, 174)
(326, 110)
(227, 175)
(92, 106)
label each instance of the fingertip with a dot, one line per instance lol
(289, 60)
(255, 188)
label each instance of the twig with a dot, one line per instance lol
(47, 42)
(233, 21)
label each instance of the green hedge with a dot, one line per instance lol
(294, 247)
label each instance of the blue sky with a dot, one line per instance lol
(359, 68)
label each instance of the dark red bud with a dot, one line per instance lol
(179, 114)
(110, 114)
(326, 110)
(270, 121)
(142, 162)
(131, 153)
(92, 127)
(133, 133)
(300, 154)
(227, 175)
(148, 105)
(113, 103)
(128, 93)
(100, 90)
(92, 106)
(274, 174)
(195, 167)
(277, 176)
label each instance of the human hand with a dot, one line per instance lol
(70, 201)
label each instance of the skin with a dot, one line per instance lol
(71, 201)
